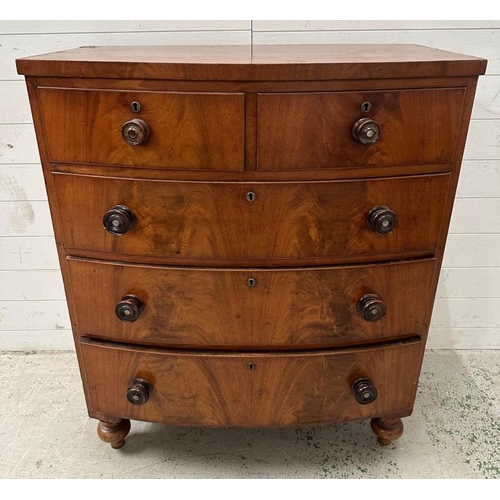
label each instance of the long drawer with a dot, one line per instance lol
(253, 222)
(251, 389)
(250, 308)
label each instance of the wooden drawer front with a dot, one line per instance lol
(306, 221)
(187, 130)
(216, 308)
(220, 390)
(314, 130)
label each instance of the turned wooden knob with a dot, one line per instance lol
(135, 132)
(382, 219)
(129, 308)
(118, 220)
(139, 391)
(366, 131)
(371, 307)
(364, 391)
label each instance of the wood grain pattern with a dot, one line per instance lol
(15, 46)
(179, 220)
(251, 86)
(482, 144)
(215, 308)
(478, 42)
(250, 175)
(114, 433)
(280, 62)
(219, 390)
(314, 130)
(188, 130)
(261, 355)
(387, 430)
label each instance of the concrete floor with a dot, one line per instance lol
(453, 433)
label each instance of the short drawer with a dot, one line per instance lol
(174, 130)
(323, 130)
(250, 308)
(251, 389)
(283, 223)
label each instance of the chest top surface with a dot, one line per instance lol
(252, 63)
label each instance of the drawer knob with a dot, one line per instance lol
(135, 132)
(382, 219)
(118, 220)
(364, 391)
(366, 131)
(371, 307)
(139, 391)
(129, 308)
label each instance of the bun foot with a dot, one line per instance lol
(387, 430)
(113, 433)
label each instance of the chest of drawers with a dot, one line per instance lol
(251, 237)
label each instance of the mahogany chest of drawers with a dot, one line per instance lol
(251, 237)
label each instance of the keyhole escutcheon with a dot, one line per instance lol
(135, 107)
(250, 196)
(366, 106)
(251, 282)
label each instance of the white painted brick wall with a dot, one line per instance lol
(33, 313)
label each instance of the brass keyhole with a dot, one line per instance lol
(251, 196)
(251, 366)
(251, 282)
(366, 106)
(135, 107)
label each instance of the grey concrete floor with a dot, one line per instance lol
(454, 432)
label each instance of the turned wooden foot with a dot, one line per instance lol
(387, 430)
(113, 432)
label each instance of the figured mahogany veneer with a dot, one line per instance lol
(251, 236)
(256, 63)
(295, 308)
(314, 130)
(301, 220)
(187, 130)
(219, 390)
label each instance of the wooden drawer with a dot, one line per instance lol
(217, 308)
(219, 390)
(315, 130)
(287, 222)
(187, 130)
